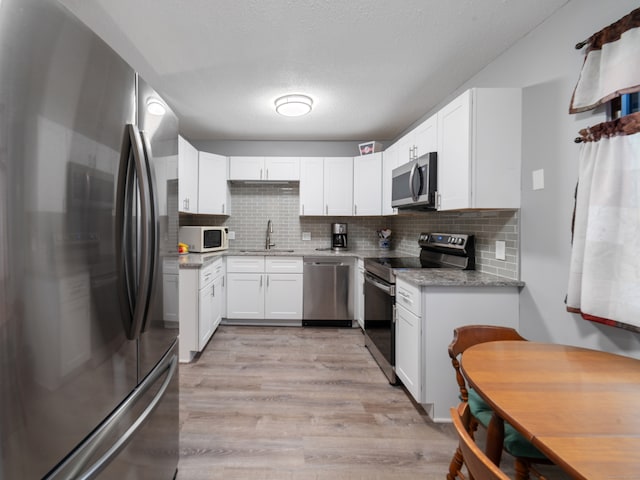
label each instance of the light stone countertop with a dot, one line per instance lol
(421, 277)
(198, 260)
(451, 277)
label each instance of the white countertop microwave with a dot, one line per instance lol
(205, 239)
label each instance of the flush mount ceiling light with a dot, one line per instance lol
(293, 105)
(155, 107)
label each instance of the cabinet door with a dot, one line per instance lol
(246, 168)
(426, 136)
(405, 148)
(187, 177)
(338, 186)
(170, 293)
(216, 303)
(389, 162)
(367, 185)
(454, 153)
(359, 292)
(245, 295)
(212, 184)
(205, 316)
(282, 168)
(311, 186)
(408, 341)
(283, 296)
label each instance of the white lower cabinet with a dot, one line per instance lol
(408, 335)
(201, 303)
(264, 290)
(425, 320)
(359, 292)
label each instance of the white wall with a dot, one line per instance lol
(546, 65)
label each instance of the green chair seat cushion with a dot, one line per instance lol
(514, 442)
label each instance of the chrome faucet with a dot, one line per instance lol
(268, 243)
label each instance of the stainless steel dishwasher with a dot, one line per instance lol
(328, 292)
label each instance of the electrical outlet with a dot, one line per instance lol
(500, 250)
(537, 179)
(306, 235)
(231, 235)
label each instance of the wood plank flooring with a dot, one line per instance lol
(301, 403)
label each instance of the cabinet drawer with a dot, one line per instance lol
(207, 275)
(283, 264)
(248, 264)
(409, 297)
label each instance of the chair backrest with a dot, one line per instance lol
(470, 335)
(478, 464)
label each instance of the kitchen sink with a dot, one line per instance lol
(264, 250)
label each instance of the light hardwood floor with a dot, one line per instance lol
(301, 403)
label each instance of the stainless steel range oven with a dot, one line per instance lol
(437, 250)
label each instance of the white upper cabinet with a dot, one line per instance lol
(389, 162)
(479, 150)
(312, 186)
(338, 186)
(282, 168)
(246, 168)
(187, 177)
(426, 136)
(264, 168)
(326, 186)
(419, 141)
(367, 185)
(213, 191)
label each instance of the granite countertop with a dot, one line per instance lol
(448, 277)
(422, 277)
(198, 260)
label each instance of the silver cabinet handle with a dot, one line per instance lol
(223, 208)
(326, 209)
(213, 290)
(260, 281)
(355, 208)
(267, 281)
(267, 176)
(260, 174)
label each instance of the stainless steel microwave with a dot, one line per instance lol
(414, 184)
(205, 239)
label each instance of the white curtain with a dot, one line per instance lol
(604, 281)
(611, 65)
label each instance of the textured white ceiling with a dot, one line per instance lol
(372, 67)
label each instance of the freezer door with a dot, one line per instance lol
(138, 441)
(159, 132)
(65, 361)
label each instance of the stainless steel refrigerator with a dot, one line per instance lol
(88, 214)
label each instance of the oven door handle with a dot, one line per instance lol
(388, 288)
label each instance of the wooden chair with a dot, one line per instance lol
(478, 464)
(525, 454)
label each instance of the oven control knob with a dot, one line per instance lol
(460, 241)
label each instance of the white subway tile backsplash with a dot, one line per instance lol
(253, 205)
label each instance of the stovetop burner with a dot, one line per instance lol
(438, 250)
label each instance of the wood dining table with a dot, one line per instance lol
(577, 406)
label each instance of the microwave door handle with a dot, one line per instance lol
(414, 195)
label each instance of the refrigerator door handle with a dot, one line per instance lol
(133, 203)
(153, 227)
(74, 466)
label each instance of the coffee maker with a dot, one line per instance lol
(338, 236)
